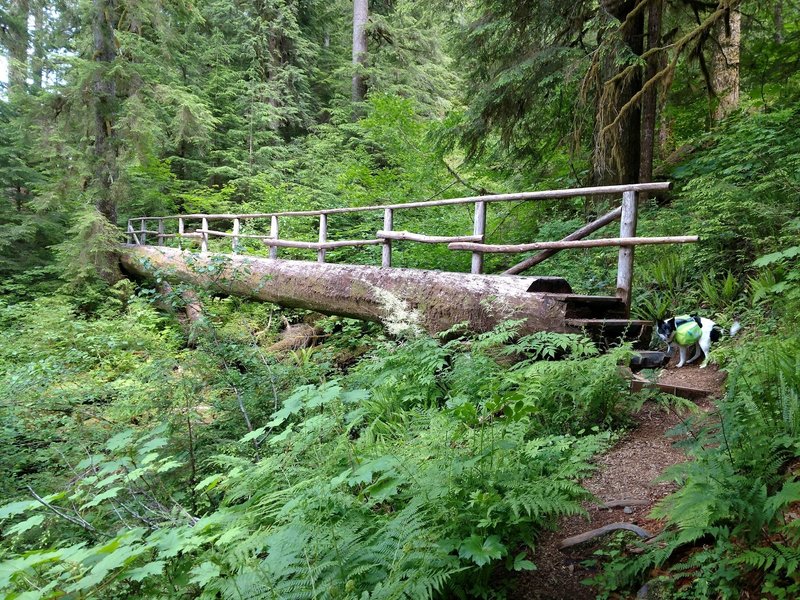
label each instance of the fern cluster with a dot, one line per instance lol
(422, 471)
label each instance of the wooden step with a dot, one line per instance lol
(549, 285)
(593, 307)
(610, 332)
(649, 359)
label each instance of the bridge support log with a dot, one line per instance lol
(440, 299)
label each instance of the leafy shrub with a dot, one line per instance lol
(422, 471)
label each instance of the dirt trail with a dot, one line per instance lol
(628, 471)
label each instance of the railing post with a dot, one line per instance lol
(204, 237)
(235, 240)
(273, 233)
(479, 228)
(180, 233)
(161, 232)
(627, 228)
(132, 237)
(386, 256)
(323, 236)
(142, 227)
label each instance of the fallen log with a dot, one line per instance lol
(436, 300)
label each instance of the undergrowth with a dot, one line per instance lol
(421, 471)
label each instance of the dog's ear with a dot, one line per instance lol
(672, 322)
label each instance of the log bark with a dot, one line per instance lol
(441, 300)
(725, 64)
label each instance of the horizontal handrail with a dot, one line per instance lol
(597, 243)
(426, 239)
(539, 195)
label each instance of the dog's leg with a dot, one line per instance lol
(682, 361)
(705, 344)
(697, 354)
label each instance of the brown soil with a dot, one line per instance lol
(628, 471)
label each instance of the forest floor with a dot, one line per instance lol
(629, 471)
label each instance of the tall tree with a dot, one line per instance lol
(617, 143)
(104, 19)
(360, 17)
(724, 76)
(15, 38)
(655, 13)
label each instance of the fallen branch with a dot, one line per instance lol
(624, 502)
(600, 531)
(79, 521)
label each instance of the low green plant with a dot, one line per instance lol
(423, 471)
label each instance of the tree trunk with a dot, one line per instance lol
(360, 16)
(777, 19)
(725, 64)
(17, 43)
(38, 58)
(650, 98)
(617, 155)
(104, 18)
(436, 300)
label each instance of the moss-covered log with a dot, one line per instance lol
(439, 300)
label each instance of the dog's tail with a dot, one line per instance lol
(717, 332)
(734, 328)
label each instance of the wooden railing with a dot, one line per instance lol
(475, 243)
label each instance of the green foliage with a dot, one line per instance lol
(407, 477)
(741, 190)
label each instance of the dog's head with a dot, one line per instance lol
(666, 329)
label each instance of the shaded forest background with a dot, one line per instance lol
(146, 457)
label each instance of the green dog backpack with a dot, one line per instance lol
(687, 331)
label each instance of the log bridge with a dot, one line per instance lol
(223, 256)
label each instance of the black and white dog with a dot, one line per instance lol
(690, 330)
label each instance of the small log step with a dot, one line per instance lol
(682, 391)
(649, 359)
(593, 307)
(596, 323)
(608, 332)
(550, 285)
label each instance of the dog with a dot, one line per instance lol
(690, 330)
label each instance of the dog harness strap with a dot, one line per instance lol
(687, 331)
